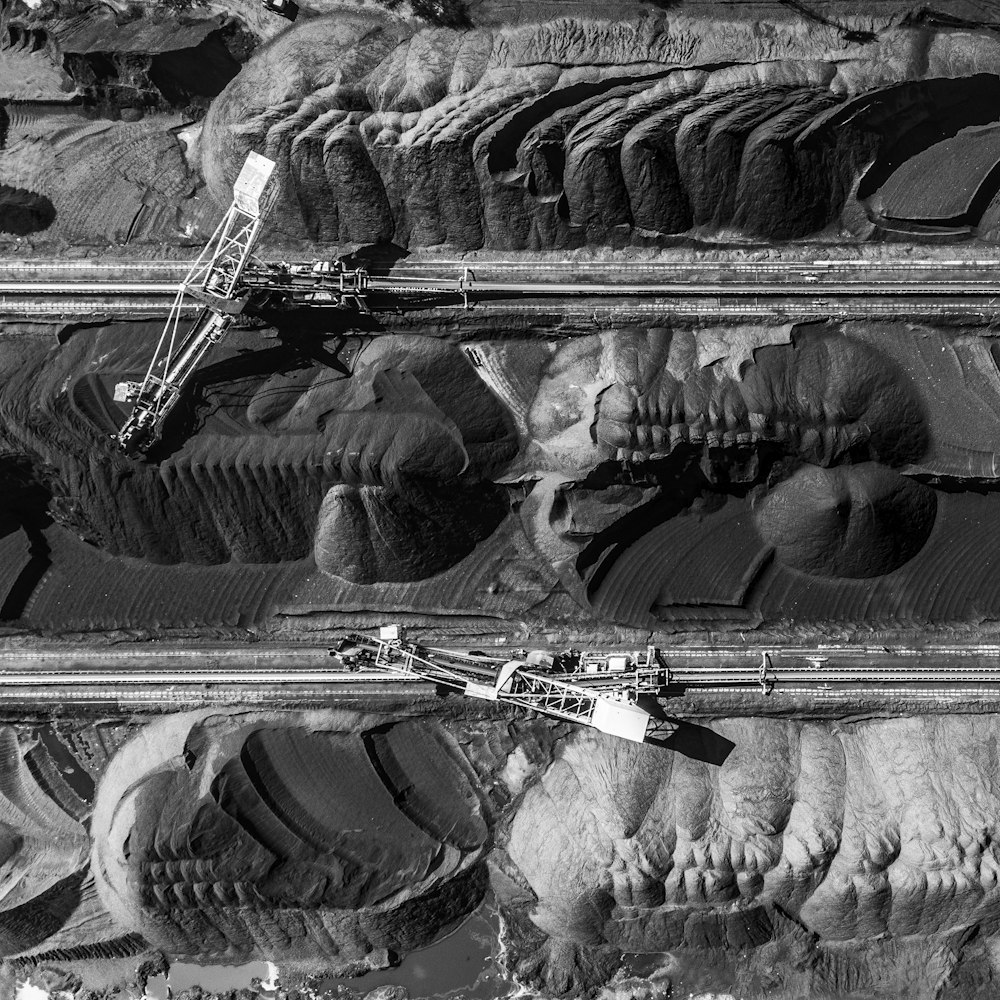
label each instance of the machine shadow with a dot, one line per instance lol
(696, 742)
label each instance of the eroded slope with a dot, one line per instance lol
(586, 130)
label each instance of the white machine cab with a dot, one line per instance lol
(619, 718)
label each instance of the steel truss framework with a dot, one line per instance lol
(523, 688)
(565, 701)
(214, 279)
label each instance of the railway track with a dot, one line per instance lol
(571, 291)
(93, 307)
(98, 308)
(32, 288)
(207, 674)
(544, 262)
(786, 289)
(401, 285)
(693, 266)
(70, 678)
(584, 303)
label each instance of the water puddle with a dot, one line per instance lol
(465, 963)
(215, 979)
(29, 991)
(462, 962)
(647, 965)
(76, 777)
(156, 988)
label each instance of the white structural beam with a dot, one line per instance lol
(612, 713)
(213, 279)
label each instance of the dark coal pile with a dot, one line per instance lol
(648, 127)
(270, 862)
(504, 477)
(351, 839)
(672, 477)
(856, 521)
(92, 105)
(152, 62)
(552, 139)
(23, 212)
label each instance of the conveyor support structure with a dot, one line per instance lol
(214, 280)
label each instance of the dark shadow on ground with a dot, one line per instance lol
(25, 507)
(23, 212)
(696, 742)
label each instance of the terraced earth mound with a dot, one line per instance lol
(645, 127)
(664, 477)
(271, 858)
(341, 837)
(589, 130)
(508, 476)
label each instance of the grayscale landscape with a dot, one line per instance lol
(499, 499)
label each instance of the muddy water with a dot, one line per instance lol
(462, 964)
(211, 978)
(76, 777)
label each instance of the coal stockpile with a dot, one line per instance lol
(339, 837)
(649, 127)
(785, 840)
(689, 478)
(786, 480)
(270, 862)
(538, 138)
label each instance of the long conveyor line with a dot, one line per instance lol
(393, 285)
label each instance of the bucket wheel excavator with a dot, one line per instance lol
(214, 281)
(610, 709)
